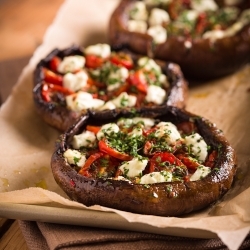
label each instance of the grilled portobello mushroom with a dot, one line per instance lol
(179, 162)
(208, 39)
(69, 82)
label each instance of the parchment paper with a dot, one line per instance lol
(26, 142)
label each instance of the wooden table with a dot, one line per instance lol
(23, 24)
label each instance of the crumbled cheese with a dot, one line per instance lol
(163, 80)
(156, 177)
(83, 100)
(74, 157)
(108, 129)
(156, 94)
(71, 64)
(158, 17)
(214, 34)
(134, 167)
(148, 64)
(197, 146)
(117, 77)
(137, 131)
(191, 15)
(147, 122)
(169, 131)
(245, 16)
(125, 122)
(139, 11)
(85, 139)
(137, 26)
(157, 2)
(76, 81)
(158, 33)
(202, 6)
(108, 105)
(124, 100)
(233, 29)
(121, 178)
(101, 49)
(114, 86)
(200, 173)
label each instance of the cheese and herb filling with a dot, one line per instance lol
(162, 19)
(101, 79)
(142, 150)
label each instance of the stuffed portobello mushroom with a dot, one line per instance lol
(208, 39)
(163, 161)
(69, 82)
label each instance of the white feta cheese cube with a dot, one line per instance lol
(85, 139)
(71, 64)
(137, 26)
(134, 167)
(202, 6)
(158, 17)
(214, 34)
(148, 64)
(117, 77)
(163, 80)
(156, 94)
(83, 100)
(200, 173)
(114, 86)
(124, 100)
(197, 146)
(76, 81)
(121, 178)
(107, 129)
(108, 105)
(157, 2)
(126, 122)
(158, 33)
(139, 11)
(156, 177)
(233, 29)
(147, 122)
(101, 49)
(74, 157)
(137, 131)
(169, 131)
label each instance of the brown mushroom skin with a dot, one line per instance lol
(205, 59)
(56, 116)
(162, 199)
(62, 118)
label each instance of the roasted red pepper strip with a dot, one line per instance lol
(161, 157)
(104, 147)
(123, 88)
(94, 129)
(47, 89)
(188, 161)
(51, 77)
(54, 63)
(85, 169)
(138, 80)
(46, 93)
(122, 59)
(93, 61)
(211, 159)
(201, 23)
